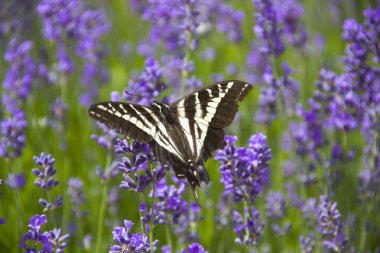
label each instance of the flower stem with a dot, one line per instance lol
(102, 210)
(17, 198)
(50, 199)
(152, 219)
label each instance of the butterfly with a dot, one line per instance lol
(184, 133)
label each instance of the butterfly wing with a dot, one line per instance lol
(204, 113)
(145, 125)
(134, 121)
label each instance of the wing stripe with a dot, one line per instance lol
(161, 136)
(185, 124)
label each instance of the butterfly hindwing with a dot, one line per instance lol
(207, 111)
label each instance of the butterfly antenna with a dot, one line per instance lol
(137, 95)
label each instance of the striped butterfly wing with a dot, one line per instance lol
(145, 125)
(134, 121)
(204, 113)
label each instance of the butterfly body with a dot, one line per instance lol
(184, 133)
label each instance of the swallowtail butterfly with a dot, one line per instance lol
(184, 133)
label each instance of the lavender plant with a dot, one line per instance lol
(307, 182)
(245, 171)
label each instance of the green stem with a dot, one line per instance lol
(152, 219)
(368, 209)
(102, 211)
(168, 236)
(18, 200)
(50, 199)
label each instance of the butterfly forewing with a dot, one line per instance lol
(134, 121)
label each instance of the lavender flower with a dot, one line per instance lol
(330, 226)
(248, 228)
(69, 20)
(16, 181)
(45, 173)
(59, 241)
(307, 244)
(284, 89)
(77, 198)
(289, 13)
(244, 170)
(172, 208)
(170, 201)
(275, 205)
(147, 85)
(113, 200)
(92, 25)
(18, 79)
(268, 28)
(51, 206)
(127, 241)
(178, 25)
(166, 249)
(274, 20)
(12, 136)
(45, 179)
(36, 237)
(59, 110)
(228, 21)
(194, 248)
(108, 137)
(136, 173)
(17, 85)
(310, 209)
(60, 18)
(36, 241)
(108, 173)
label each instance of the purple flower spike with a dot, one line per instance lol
(194, 248)
(330, 226)
(51, 206)
(148, 85)
(275, 206)
(76, 195)
(36, 241)
(135, 243)
(37, 221)
(244, 170)
(12, 134)
(248, 228)
(45, 173)
(16, 181)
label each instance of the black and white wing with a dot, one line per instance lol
(204, 113)
(134, 121)
(145, 125)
